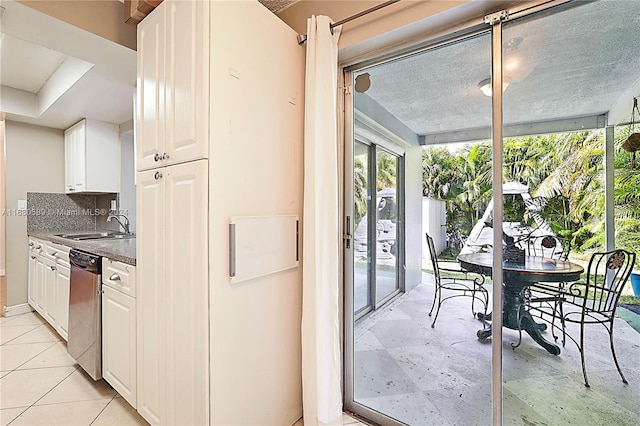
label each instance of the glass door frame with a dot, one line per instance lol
(489, 23)
(398, 153)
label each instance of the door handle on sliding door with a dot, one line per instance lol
(347, 232)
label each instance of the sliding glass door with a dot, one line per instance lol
(376, 253)
(362, 283)
(524, 104)
(386, 224)
(402, 364)
(577, 74)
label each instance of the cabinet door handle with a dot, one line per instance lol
(114, 277)
(165, 156)
(33, 257)
(53, 268)
(158, 175)
(31, 244)
(157, 157)
(38, 247)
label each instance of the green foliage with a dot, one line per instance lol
(565, 174)
(629, 300)
(387, 170)
(386, 177)
(360, 194)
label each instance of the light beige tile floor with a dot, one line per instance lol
(42, 385)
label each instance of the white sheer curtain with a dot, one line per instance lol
(321, 368)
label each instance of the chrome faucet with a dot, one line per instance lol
(126, 222)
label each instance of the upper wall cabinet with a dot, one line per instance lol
(173, 85)
(92, 157)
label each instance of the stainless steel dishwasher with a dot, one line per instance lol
(85, 324)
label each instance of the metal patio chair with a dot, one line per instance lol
(594, 301)
(548, 246)
(471, 287)
(554, 247)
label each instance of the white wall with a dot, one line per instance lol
(434, 219)
(413, 217)
(2, 201)
(127, 179)
(35, 163)
(255, 169)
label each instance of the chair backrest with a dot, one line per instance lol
(549, 246)
(607, 275)
(433, 256)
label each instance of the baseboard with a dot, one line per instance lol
(10, 311)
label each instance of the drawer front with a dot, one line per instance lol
(119, 276)
(36, 246)
(57, 253)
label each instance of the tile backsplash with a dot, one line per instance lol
(50, 212)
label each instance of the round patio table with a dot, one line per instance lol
(516, 279)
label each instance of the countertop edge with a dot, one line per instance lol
(120, 250)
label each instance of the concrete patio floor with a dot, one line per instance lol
(442, 376)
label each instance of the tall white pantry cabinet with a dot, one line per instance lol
(172, 187)
(219, 123)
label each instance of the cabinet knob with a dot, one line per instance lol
(158, 175)
(165, 156)
(53, 268)
(38, 247)
(33, 257)
(157, 157)
(114, 277)
(31, 244)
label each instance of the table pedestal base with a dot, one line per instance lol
(516, 317)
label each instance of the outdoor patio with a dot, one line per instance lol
(442, 376)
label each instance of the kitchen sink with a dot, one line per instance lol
(82, 236)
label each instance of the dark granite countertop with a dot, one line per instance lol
(122, 250)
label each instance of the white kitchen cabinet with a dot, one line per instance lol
(36, 275)
(92, 157)
(50, 307)
(63, 275)
(32, 280)
(195, 340)
(49, 278)
(173, 85)
(119, 334)
(150, 264)
(74, 155)
(172, 281)
(57, 305)
(39, 284)
(31, 277)
(119, 276)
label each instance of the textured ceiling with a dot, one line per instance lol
(573, 63)
(277, 5)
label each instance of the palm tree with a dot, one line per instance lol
(360, 188)
(565, 170)
(438, 168)
(477, 189)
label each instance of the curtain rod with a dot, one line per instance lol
(303, 37)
